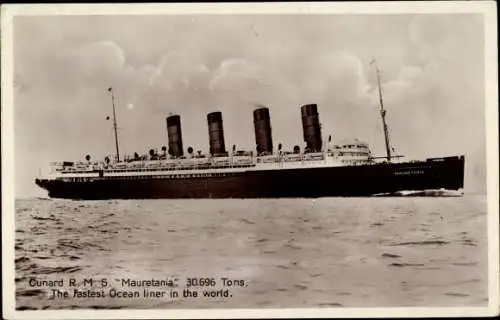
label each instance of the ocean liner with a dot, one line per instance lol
(320, 169)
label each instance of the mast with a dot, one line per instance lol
(114, 124)
(382, 113)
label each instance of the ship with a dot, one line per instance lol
(321, 168)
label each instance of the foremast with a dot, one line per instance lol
(115, 128)
(382, 114)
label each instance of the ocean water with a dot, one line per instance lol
(327, 252)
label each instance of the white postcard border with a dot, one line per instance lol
(487, 8)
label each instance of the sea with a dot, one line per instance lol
(251, 253)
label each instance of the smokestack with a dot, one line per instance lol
(311, 127)
(216, 133)
(174, 136)
(263, 134)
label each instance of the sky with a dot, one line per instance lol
(432, 69)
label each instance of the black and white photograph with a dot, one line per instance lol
(250, 160)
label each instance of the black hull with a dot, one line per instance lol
(361, 180)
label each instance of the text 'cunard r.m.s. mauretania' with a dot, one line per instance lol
(321, 169)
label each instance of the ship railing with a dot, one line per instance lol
(291, 157)
(79, 169)
(146, 165)
(242, 159)
(354, 162)
(221, 160)
(353, 154)
(355, 149)
(68, 165)
(198, 161)
(268, 159)
(294, 158)
(314, 156)
(206, 166)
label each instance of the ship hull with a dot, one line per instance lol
(359, 180)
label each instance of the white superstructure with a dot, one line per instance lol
(346, 154)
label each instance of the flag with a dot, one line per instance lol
(330, 138)
(110, 89)
(107, 117)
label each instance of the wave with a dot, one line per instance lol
(43, 199)
(364, 245)
(37, 269)
(423, 193)
(419, 243)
